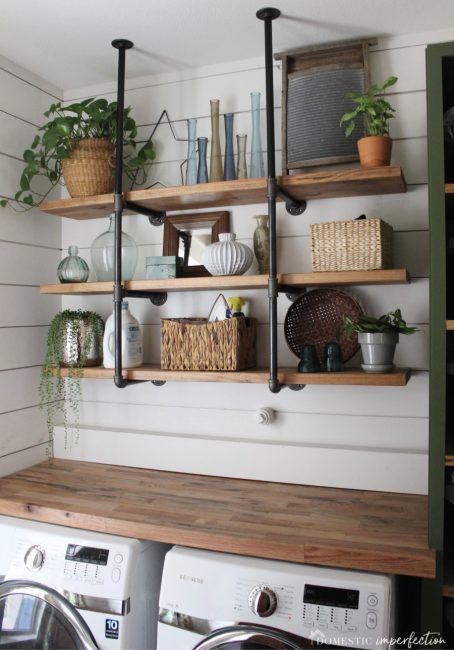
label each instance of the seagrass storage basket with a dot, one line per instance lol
(88, 171)
(195, 344)
(358, 245)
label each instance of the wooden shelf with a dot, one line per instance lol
(450, 325)
(316, 185)
(355, 529)
(226, 282)
(286, 376)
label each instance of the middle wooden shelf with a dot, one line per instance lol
(226, 282)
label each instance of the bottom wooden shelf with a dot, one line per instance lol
(286, 376)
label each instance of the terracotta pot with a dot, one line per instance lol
(374, 150)
(89, 170)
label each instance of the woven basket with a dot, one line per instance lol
(316, 318)
(195, 344)
(359, 245)
(89, 170)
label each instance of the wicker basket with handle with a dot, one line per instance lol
(88, 171)
(195, 344)
(358, 245)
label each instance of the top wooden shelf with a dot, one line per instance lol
(314, 185)
(355, 529)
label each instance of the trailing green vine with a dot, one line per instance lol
(72, 341)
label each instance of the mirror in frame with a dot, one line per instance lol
(187, 235)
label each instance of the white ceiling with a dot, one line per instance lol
(68, 41)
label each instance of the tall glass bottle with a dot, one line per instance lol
(215, 159)
(202, 171)
(257, 168)
(191, 168)
(103, 254)
(229, 159)
(241, 168)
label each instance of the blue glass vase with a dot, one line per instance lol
(257, 168)
(229, 158)
(191, 169)
(202, 172)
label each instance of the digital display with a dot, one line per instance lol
(331, 596)
(86, 554)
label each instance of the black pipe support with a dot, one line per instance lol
(157, 298)
(155, 217)
(268, 14)
(121, 45)
(293, 206)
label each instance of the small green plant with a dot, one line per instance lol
(390, 322)
(72, 337)
(371, 106)
(66, 126)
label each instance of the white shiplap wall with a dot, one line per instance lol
(30, 247)
(373, 438)
(354, 437)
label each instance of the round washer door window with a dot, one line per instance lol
(34, 617)
(251, 637)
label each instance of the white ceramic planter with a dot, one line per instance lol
(378, 351)
(227, 256)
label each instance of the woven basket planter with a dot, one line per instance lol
(195, 344)
(89, 170)
(359, 245)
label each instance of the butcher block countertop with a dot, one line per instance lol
(374, 531)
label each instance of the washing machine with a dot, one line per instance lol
(219, 601)
(65, 588)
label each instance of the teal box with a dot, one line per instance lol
(163, 267)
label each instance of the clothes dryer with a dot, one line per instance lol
(214, 601)
(68, 588)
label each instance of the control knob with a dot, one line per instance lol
(263, 601)
(34, 558)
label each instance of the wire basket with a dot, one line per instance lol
(316, 318)
(358, 245)
(195, 344)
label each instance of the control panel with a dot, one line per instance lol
(317, 611)
(68, 564)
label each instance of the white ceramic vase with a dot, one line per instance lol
(227, 256)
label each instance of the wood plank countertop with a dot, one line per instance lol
(374, 531)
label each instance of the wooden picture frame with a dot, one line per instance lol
(178, 232)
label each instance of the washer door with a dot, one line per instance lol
(250, 637)
(34, 617)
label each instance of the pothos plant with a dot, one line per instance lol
(60, 135)
(72, 340)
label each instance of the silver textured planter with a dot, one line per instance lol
(81, 343)
(378, 351)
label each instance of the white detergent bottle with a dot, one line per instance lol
(131, 340)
